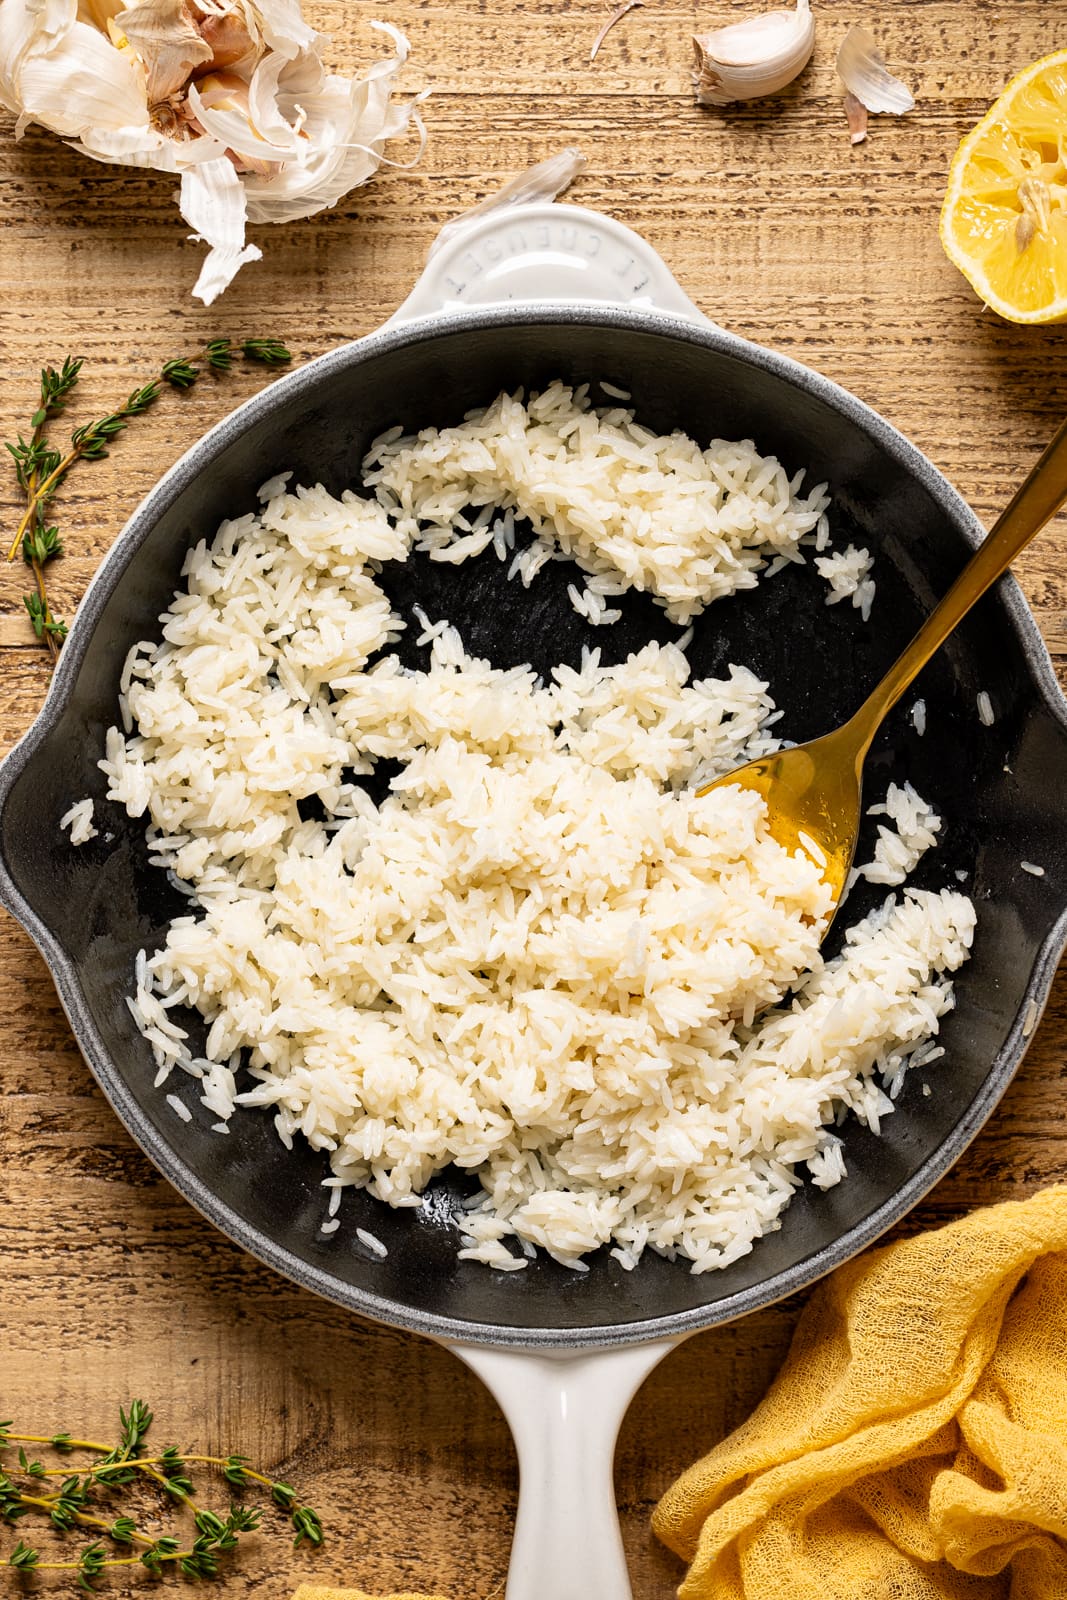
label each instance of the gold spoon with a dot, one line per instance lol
(813, 791)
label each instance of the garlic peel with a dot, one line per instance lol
(74, 86)
(544, 181)
(333, 159)
(856, 112)
(232, 95)
(277, 24)
(862, 69)
(754, 57)
(213, 203)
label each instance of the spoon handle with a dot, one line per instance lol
(1035, 503)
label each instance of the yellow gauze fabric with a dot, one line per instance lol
(315, 1591)
(914, 1445)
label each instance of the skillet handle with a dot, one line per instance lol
(545, 253)
(564, 1410)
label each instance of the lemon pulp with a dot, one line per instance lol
(1004, 220)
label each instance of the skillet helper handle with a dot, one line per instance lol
(564, 1411)
(544, 253)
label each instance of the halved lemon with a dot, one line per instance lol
(1004, 220)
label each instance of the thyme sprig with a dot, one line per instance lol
(76, 1503)
(35, 461)
(40, 468)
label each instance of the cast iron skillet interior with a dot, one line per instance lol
(1000, 790)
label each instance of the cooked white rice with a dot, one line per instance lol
(688, 525)
(528, 563)
(541, 958)
(848, 572)
(79, 819)
(986, 714)
(371, 1241)
(900, 848)
(179, 1108)
(591, 605)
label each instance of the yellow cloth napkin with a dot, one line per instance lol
(315, 1591)
(914, 1445)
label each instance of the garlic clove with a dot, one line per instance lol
(229, 41)
(862, 69)
(166, 41)
(220, 107)
(756, 57)
(223, 91)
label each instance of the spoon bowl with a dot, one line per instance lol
(814, 791)
(813, 794)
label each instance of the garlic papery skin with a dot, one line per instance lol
(856, 112)
(753, 58)
(862, 69)
(231, 95)
(545, 181)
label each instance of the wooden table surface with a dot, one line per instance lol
(112, 1286)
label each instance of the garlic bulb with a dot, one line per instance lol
(231, 95)
(753, 58)
(862, 69)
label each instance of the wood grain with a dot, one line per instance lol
(113, 1286)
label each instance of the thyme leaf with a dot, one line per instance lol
(269, 351)
(91, 1562)
(307, 1525)
(23, 1557)
(45, 625)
